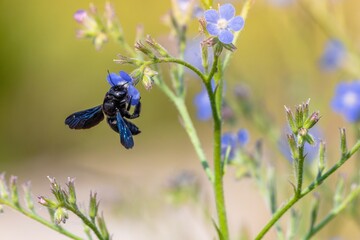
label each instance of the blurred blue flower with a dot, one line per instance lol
(234, 142)
(347, 100)
(228, 140)
(243, 137)
(311, 151)
(223, 23)
(202, 104)
(123, 78)
(333, 55)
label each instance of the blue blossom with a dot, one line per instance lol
(203, 105)
(333, 55)
(123, 78)
(234, 142)
(223, 23)
(228, 140)
(347, 100)
(242, 137)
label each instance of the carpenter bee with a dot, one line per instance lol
(116, 108)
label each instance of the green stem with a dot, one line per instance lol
(86, 221)
(353, 195)
(39, 219)
(300, 170)
(311, 187)
(218, 166)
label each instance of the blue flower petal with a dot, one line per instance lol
(236, 24)
(227, 11)
(134, 94)
(125, 76)
(242, 137)
(113, 79)
(213, 29)
(226, 36)
(211, 16)
(203, 106)
(228, 140)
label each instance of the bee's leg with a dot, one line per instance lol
(129, 104)
(135, 114)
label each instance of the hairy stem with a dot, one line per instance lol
(280, 212)
(334, 212)
(39, 219)
(87, 222)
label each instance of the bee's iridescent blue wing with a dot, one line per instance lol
(85, 119)
(126, 138)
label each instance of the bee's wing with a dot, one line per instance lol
(126, 138)
(85, 119)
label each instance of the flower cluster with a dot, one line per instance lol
(124, 78)
(223, 23)
(230, 142)
(347, 100)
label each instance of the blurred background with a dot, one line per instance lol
(46, 73)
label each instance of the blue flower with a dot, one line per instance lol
(228, 140)
(234, 142)
(124, 78)
(223, 23)
(243, 137)
(203, 105)
(333, 55)
(347, 100)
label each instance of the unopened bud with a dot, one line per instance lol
(343, 144)
(312, 120)
(293, 146)
(156, 46)
(93, 206)
(148, 80)
(60, 215)
(144, 49)
(4, 192)
(126, 60)
(291, 120)
(14, 190)
(28, 199)
(71, 190)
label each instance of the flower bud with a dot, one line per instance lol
(4, 193)
(291, 120)
(93, 206)
(71, 189)
(60, 215)
(312, 120)
(156, 46)
(147, 80)
(343, 144)
(47, 202)
(144, 49)
(14, 190)
(28, 199)
(293, 146)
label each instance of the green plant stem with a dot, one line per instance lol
(86, 221)
(303, 193)
(300, 170)
(39, 219)
(334, 212)
(218, 166)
